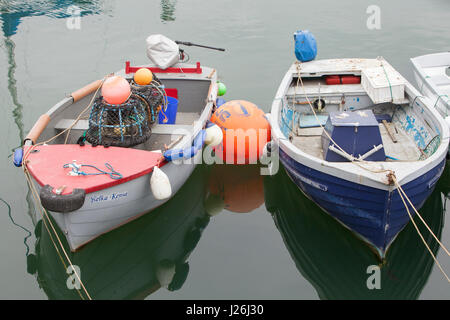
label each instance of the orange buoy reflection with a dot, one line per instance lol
(234, 188)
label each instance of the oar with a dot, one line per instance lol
(198, 45)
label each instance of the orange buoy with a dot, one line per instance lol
(245, 132)
(116, 90)
(241, 188)
(143, 77)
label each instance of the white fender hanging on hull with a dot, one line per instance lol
(160, 184)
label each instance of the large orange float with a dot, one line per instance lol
(245, 132)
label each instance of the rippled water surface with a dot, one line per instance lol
(269, 241)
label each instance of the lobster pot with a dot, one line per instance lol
(123, 125)
(152, 94)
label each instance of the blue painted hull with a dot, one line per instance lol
(374, 214)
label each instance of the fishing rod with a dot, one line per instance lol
(198, 45)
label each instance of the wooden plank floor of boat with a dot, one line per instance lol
(309, 141)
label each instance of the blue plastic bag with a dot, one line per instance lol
(305, 46)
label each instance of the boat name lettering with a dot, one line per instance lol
(113, 196)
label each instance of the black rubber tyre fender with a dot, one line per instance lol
(61, 203)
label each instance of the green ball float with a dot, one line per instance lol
(221, 89)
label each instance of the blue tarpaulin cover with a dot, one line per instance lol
(305, 46)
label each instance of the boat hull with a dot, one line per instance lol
(376, 215)
(108, 209)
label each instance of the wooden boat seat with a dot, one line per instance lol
(434, 70)
(440, 80)
(156, 128)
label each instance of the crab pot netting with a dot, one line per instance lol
(123, 125)
(127, 124)
(152, 93)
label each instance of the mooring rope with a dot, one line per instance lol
(390, 87)
(420, 217)
(80, 115)
(402, 195)
(18, 225)
(45, 217)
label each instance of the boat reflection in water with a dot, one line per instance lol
(235, 188)
(335, 262)
(135, 260)
(13, 12)
(168, 10)
(444, 182)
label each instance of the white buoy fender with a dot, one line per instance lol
(447, 119)
(165, 271)
(160, 184)
(214, 204)
(214, 135)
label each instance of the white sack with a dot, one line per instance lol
(162, 51)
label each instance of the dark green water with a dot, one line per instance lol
(269, 241)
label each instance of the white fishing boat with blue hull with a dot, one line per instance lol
(344, 128)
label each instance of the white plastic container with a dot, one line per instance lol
(379, 82)
(162, 51)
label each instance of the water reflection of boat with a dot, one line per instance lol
(168, 10)
(335, 262)
(236, 188)
(137, 259)
(12, 12)
(444, 182)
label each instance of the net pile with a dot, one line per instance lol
(123, 125)
(153, 94)
(127, 124)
